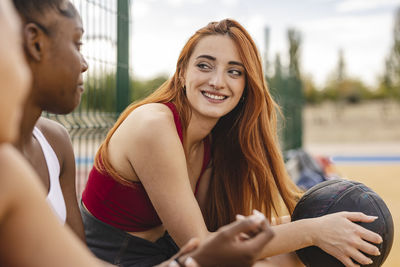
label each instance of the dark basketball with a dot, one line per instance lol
(343, 195)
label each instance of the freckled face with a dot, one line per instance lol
(215, 77)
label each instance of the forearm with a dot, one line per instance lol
(289, 237)
(76, 225)
(187, 230)
(74, 219)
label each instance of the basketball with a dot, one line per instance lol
(344, 195)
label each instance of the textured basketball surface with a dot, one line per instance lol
(343, 195)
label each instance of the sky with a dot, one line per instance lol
(361, 28)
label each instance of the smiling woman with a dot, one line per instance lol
(215, 77)
(199, 150)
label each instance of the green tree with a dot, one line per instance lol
(311, 93)
(335, 84)
(340, 87)
(276, 81)
(142, 88)
(99, 93)
(390, 82)
(341, 68)
(294, 38)
(286, 87)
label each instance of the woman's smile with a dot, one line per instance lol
(214, 97)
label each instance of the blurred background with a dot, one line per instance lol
(332, 65)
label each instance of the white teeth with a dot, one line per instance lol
(217, 97)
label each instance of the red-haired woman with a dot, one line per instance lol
(199, 150)
(30, 233)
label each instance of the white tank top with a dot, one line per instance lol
(55, 196)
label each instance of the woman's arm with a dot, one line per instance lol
(59, 139)
(148, 140)
(30, 234)
(150, 143)
(226, 247)
(336, 234)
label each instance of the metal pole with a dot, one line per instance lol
(122, 79)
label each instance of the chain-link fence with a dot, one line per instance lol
(106, 49)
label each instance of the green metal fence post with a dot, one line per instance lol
(123, 98)
(286, 88)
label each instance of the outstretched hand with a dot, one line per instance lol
(236, 244)
(228, 247)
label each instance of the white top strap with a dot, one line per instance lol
(55, 196)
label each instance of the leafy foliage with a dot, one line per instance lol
(390, 81)
(100, 92)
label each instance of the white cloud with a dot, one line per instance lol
(255, 25)
(175, 3)
(140, 9)
(364, 40)
(357, 5)
(230, 3)
(160, 31)
(322, 1)
(197, 1)
(179, 3)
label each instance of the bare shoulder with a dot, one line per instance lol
(149, 120)
(27, 221)
(52, 130)
(57, 136)
(154, 112)
(8, 167)
(12, 162)
(17, 176)
(142, 130)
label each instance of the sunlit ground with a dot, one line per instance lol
(366, 130)
(385, 180)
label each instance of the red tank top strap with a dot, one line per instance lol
(207, 148)
(177, 120)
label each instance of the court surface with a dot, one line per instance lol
(383, 178)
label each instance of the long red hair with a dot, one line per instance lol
(248, 168)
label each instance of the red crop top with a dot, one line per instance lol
(124, 207)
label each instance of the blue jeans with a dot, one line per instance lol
(123, 249)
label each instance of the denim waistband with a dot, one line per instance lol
(123, 249)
